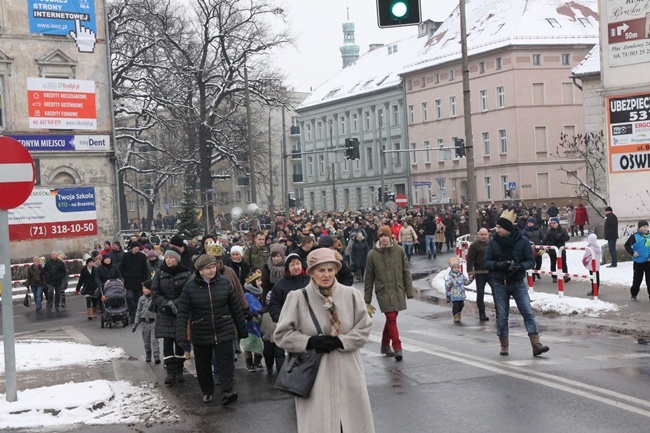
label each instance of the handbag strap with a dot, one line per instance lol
(311, 312)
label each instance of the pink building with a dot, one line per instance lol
(522, 99)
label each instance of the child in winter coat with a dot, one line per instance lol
(588, 258)
(147, 318)
(455, 284)
(253, 293)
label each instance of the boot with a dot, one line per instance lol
(504, 346)
(538, 349)
(456, 317)
(90, 313)
(95, 311)
(257, 361)
(179, 370)
(249, 365)
(170, 365)
(386, 350)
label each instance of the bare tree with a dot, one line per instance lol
(589, 180)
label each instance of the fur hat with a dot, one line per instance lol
(505, 224)
(384, 230)
(203, 261)
(320, 256)
(453, 262)
(177, 241)
(172, 253)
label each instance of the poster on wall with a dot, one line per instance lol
(628, 123)
(55, 213)
(74, 18)
(628, 31)
(73, 143)
(61, 104)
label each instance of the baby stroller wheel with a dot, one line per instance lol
(102, 322)
(125, 322)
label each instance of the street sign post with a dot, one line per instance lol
(17, 177)
(512, 186)
(401, 200)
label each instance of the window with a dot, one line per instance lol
(174, 201)
(380, 118)
(310, 166)
(584, 21)
(553, 22)
(437, 78)
(366, 121)
(357, 164)
(566, 58)
(2, 102)
(488, 188)
(411, 114)
(425, 112)
(443, 154)
(414, 155)
(308, 132)
(355, 122)
(481, 67)
(131, 205)
(173, 180)
(504, 183)
(451, 74)
(237, 195)
(537, 59)
(321, 164)
(397, 156)
(541, 145)
(485, 138)
(342, 125)
(423, 81)
(452, 106)
(484, 100)
(501, 97)
(409, 85)
(503, 141)
(319, 130)
(538, 94)
(323, 195)
(567, 93)
(395, 112)
(438, 107)
(570, 130)
(369, 164)
(427, 154)
(499, 63)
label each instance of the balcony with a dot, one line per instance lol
(297, 178)
(295, 130)
(243, 181)
(295, 152)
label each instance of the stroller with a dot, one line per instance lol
(114, 306)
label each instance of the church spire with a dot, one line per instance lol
(349, 49)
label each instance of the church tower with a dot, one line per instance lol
(349, 49)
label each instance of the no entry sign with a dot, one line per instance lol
(401, 200)
(17, 173)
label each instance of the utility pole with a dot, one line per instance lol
(333, 169)
(382, 156)
(469, 141)
(249, 139)
(285, 168)
(271, 177)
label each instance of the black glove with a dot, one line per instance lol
(248, 315)
(502, 266)
(134, 327)
(324, 343)
(513, 269)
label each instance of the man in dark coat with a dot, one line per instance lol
(117, 253)
(477, 271)
(54, 272)
(186, 252)
(135, 271)
(508, 256)
(611, 234)
(557, 236)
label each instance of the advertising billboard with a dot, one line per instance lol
(628, 32)
(54, 143)
(55, 213)
(628, 123)
(61, 104)
(74, 18)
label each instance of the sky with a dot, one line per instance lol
(317, 26)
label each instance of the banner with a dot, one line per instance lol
(61, 104)
(56, 213)
(628, 123)
(78, 143)
(74, 18)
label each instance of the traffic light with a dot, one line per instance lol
(459, 143)
(355, 149)
(349, 149)
(379, 194)
(390, 196)
(508, 193)
(292, 202)
(396, 13)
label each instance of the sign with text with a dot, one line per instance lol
(74, 18)
(53, 143)
(628, 31)
(628, 123)
(56, 213)
(61, 104)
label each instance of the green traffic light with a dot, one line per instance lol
(399, 9)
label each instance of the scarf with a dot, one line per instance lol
(331, 310)
(276, 271)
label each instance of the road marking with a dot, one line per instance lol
(617, 400)
(619, 357)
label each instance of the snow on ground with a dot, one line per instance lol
(86, 403)
(566, 305)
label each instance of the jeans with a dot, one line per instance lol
(54, 295)
(611, 245)
(481, 280)
(38, 296)
(391, 334)
(431, 245)
(519, 292)
(408, 249)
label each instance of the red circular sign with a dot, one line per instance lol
(401, 200)
(17, 173)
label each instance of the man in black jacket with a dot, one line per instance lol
(476, 270)
(135, 271)
(508, 256)
(54, 272)
(557, 237)
(611, 234)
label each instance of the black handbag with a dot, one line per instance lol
(298, 373)
(27, 301)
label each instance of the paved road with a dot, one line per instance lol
(452, 378)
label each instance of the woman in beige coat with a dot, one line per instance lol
(339, 400)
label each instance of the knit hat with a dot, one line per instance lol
(384, 230)
(151, 254)
(237, 249)
(177, 241)
(609, 208)
(326, 241)
(147, 246)
(291, 257)
(505, 224)
(172, 253)
(105, 256)
(642, 223)
(147, 284)
(277, 249)
(531, 220)
(554, 220)
(250, 279)
(453, 262)
(203, 261)
(320, 256)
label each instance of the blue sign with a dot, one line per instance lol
(75, 199)
(74, 18)
(49, 143)
(512, 186)
(421, 183)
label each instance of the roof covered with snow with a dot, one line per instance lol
(590, 65)
(491, 24)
